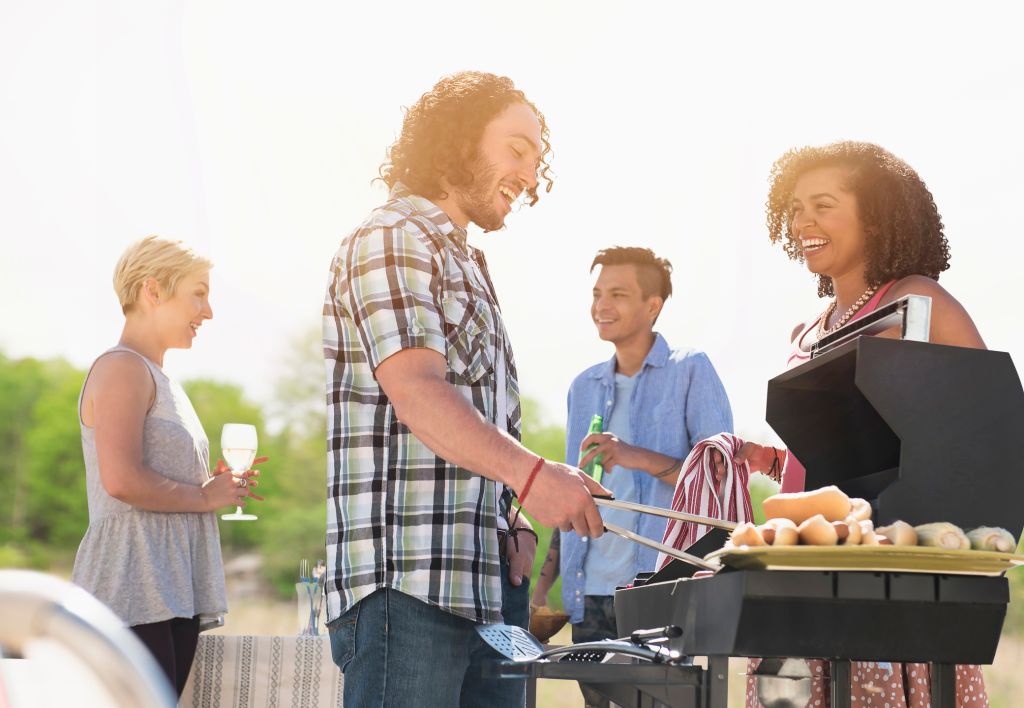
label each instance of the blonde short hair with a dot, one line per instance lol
(154, 257)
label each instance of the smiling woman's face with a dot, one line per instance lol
(181, 315)
(825, 223)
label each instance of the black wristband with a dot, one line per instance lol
(523, 529)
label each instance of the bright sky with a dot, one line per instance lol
(252, 130)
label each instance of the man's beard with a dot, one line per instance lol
(477, 202)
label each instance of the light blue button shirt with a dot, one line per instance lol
(677, 401)
(610, 558)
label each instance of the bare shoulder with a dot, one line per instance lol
(122, 376)
(950, 323)
(917, 285)
(120, 364)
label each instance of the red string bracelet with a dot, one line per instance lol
(529, 480)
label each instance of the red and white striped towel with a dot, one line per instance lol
(696, 492)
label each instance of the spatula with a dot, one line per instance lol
(517, 644)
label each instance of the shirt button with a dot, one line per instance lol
(579, 574)
(577, 593)
(584, 539)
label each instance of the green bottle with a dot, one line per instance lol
(594, 468)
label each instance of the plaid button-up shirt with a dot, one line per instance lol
(399, 516)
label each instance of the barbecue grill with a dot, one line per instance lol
(925, 433)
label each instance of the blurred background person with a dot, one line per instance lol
(152, 549)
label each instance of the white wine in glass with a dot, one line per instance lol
(238, 445)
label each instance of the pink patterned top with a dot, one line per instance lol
(793, 473)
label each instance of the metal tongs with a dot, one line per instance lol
(668, 514)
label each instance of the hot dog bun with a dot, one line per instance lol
(830, 502)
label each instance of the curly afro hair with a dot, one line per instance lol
(902, 225)
(442, 131)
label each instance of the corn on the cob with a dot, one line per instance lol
(942, 534)
(988, 538)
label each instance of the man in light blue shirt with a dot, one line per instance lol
(657, 403)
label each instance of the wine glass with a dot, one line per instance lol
(238, 444)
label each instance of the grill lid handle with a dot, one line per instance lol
(911, 313)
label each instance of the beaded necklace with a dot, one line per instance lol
(854, 309)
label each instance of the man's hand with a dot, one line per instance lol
(562, 496)
(615, 452)
(612, 450)
(520, 555)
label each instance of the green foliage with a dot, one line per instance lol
(547, 440)
(21, 384)
(761, 487)
(57, 510)
(293, 519)
(216, 404)
(298, 403)
(28, 554)
(219, 403)
(1015, 612)
(292, 534)
(43, 505)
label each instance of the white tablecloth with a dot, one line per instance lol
(250, 672)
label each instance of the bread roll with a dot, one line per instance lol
(782, 531)
(899, 532)
(860, 509)
(829, 502)
(746, 534)
(818, 531)
(853, 533)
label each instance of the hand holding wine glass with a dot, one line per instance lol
(238, 445)
(250, 475)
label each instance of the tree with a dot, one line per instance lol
(548, 441)
(297, 528)
(56, 504)
(219, 403)
(21, 383)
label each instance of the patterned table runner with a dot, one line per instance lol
(253, 672)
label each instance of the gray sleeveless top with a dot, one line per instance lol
(150, 566)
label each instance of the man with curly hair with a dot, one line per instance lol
(424, 415)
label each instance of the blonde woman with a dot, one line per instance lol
(152, 549)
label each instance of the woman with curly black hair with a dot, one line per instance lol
(865, 223)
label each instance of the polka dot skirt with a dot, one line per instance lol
(874, 684)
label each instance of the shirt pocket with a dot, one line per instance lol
(469, 331)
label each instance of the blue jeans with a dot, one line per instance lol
(396, 650)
